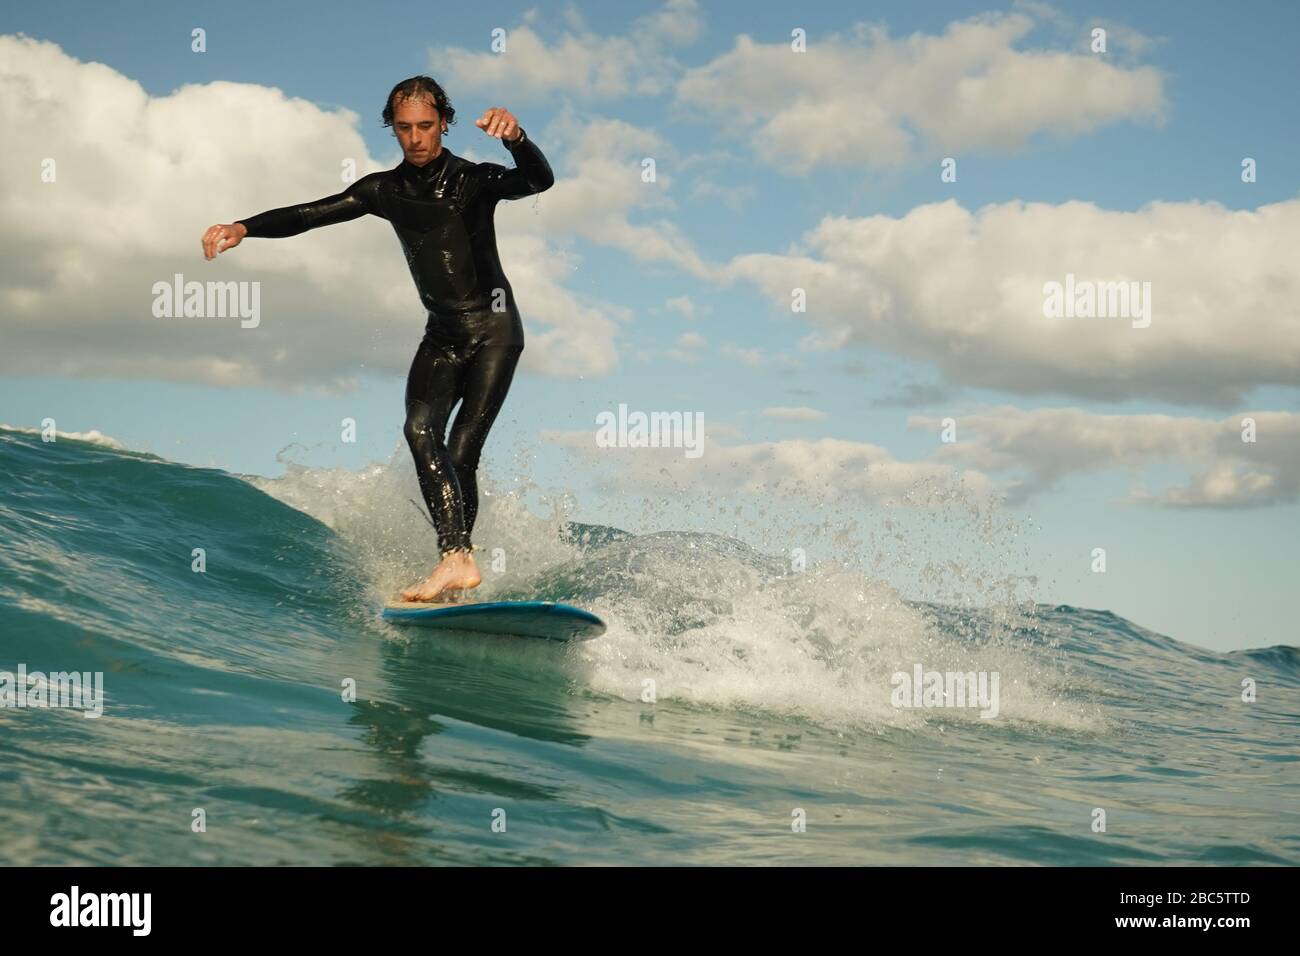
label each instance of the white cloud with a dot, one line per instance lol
(1076, 30)
(964, 290)
(605, 190)
(825, 470)
(868, 99)
(1000, 453)
(757, 358)
(1048, 445)
(579, 64)
(679, 22)
(800, 413)
(567, 335)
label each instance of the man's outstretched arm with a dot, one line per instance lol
(352, 203)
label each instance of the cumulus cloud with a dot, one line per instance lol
(964, 291)
(567, 335)
(579, 63)
(1076, 31)
(137, 180)
(826, 470)
(1003, 453)
(1047, 445)
(868, 99)
(605, 191)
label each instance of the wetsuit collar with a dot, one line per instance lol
(431, 168)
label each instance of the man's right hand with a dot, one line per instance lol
(221, 237)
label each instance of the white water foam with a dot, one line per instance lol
(94, 436)
(710, 621)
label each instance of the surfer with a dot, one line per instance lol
(441, 207)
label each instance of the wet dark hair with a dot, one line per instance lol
(417, 86)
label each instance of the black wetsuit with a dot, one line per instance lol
(442, 213)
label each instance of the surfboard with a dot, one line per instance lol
(543, 619)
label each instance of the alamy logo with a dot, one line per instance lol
(655, 430)
(214, 300)
(79, 690)
(1085, 299)
(102, 909)
(924, 688)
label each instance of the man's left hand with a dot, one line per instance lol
(499, 122)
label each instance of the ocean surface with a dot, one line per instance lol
(259, 711)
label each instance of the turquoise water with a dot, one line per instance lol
(224, 692)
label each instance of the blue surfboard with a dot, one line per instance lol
(544, 619)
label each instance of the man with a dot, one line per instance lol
(441, 207)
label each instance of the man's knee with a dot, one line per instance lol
(419, 424)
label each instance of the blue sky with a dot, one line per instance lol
(775, 169)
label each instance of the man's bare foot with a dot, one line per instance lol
(456, 572)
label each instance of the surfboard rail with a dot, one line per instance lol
(549, 620)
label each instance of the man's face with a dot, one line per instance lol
(418, 128)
